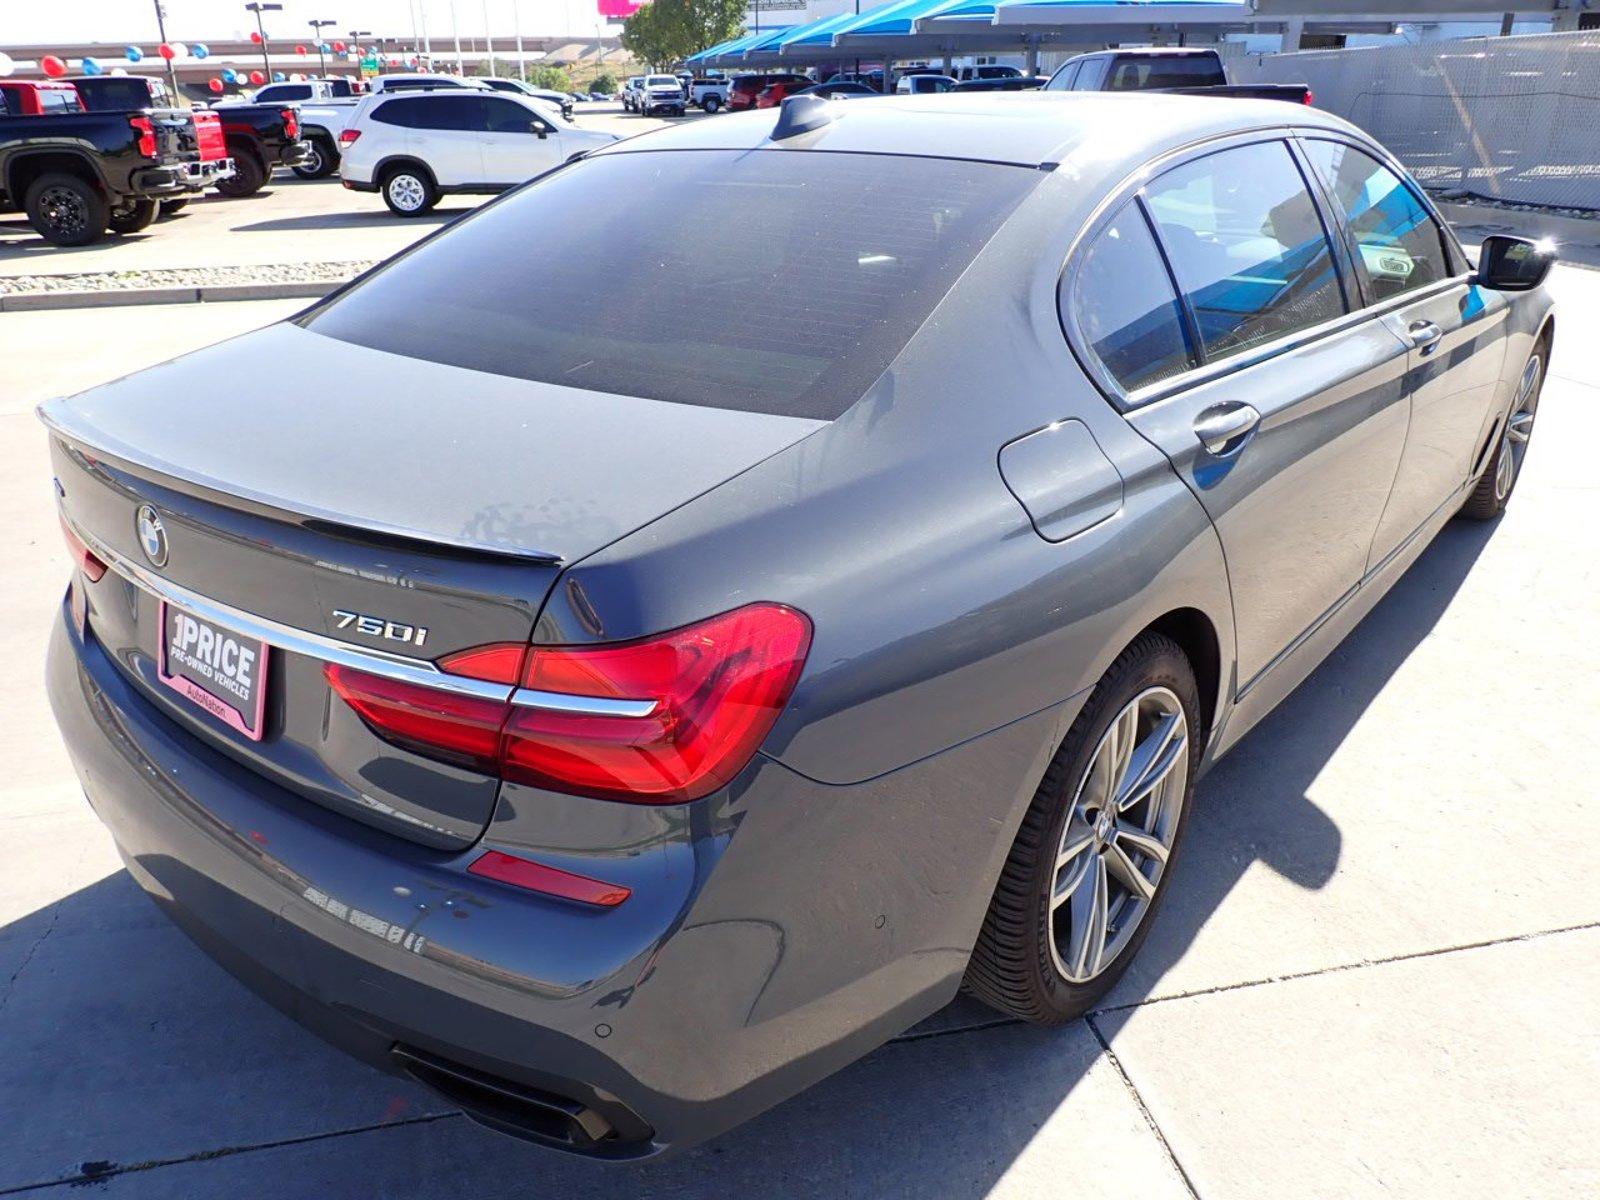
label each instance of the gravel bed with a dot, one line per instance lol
(181, 277)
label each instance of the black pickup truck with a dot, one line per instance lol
(1186, 71)
(259, 136)
(77, 173)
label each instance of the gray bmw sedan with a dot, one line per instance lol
(618, 717)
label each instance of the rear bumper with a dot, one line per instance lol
(777, 930)
(160, 181)
(294, 154)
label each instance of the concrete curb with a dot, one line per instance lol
(118, 297)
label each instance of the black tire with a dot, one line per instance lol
(325, 160)
(1013, 966)
(711, 103)
(66, 210)
(409, 191)
(1494, 488)
(173, 207)
(249, 175)
(139, 214)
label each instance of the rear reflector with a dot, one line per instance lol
(660, 720)
(536, 877)
(85, 558)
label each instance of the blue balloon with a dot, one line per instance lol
(200, 50)
(229, 75)
(132, 53)
(278, 77)
(91, 66)
(327, 49)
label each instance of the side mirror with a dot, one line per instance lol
(1513, 264)
(538, 128)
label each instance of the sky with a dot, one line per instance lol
(33, 23)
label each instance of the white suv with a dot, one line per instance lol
(415, 146)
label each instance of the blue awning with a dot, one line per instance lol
(711, 51)
(899, 17)
(815, 33)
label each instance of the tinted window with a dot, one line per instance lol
(433, 112)
(1162, 71)
(55, 100)
(1247, 246)
(120, 94)
(1125, 304)
(795, 306)
(287, 91)
(1398, 245)
(507, 116)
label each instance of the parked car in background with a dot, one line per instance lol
(293, 92)
(76, 174)
(1193, 72)
(568, 620)
(209, 159)
(323, 114)
(987, 71)
(870, 79)
(561, 101)
(414, 147)
(413, 82)
(744, 91)
(923, 84)
(709, 94)
(778, 89)
(844, 90)
(33, 98)
(630, 93)
(661, 93)
(1001, 83)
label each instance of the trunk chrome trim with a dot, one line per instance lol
(399, 667)
(592, 706)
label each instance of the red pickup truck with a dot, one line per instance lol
(31, 98)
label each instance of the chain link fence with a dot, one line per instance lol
(1514, 119)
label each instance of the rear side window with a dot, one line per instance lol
(1399, 247)
(1247, 245)
(1061, 81)
(1090, 75)
(1125, 305)
(433, 112)
(820, 269)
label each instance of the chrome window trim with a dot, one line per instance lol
(399, 667)
(1131, 187)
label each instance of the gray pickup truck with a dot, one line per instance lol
(1186, 71)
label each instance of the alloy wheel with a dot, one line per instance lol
(1519, 428)
(1119, 834)
(64, 211)
(407, 192)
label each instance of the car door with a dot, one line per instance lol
(519, 143)
(1281, 410)
(1410, 272)
(446, 136)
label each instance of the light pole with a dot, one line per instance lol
(258, 8)
(172, 70)
(488, 36)
(516, 21)
(355, 40)
(455, 32)
(316, 31)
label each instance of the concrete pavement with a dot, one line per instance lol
(1376, 975)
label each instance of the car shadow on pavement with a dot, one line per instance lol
(350, 220)
(121, 1044)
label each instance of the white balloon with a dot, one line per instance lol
(6, 65)
(119, 70)
(179, 50)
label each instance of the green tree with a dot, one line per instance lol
(665, 32)
(552, 78)
(605, 81)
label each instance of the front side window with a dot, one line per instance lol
(875, 241)
(1247, 246)
(507, 116)
(1399, 247)
(1061, 81)
(1125, 305)
(1090, 75)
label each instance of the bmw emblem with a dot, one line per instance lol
(152, 535)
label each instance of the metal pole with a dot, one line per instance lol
(161, 30)
(516, 20)
(455, 32)
(427, 45)
(488, 37)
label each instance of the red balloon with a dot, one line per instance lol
(256, 38)
(52, 66)
(338, 47)
(257, 78)
(167, 52)
(394, 62)
(299, 49)
(214, 84)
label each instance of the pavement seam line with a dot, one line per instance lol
(111, 1172)
(11, 984)
(1144, 1109)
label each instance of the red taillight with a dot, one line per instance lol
(291, 125)
(1310, 96)
(146, 130)
(348, 137)
(661, 720)
(536, 877)
(85, 558)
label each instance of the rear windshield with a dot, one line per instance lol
(1161, 71)
(769, 281)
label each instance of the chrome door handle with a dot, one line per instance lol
(1224, 428)
(1423, 334)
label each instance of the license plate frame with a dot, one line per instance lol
(244, 714)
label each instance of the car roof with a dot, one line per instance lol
(1155, 52)
(1025, 128)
